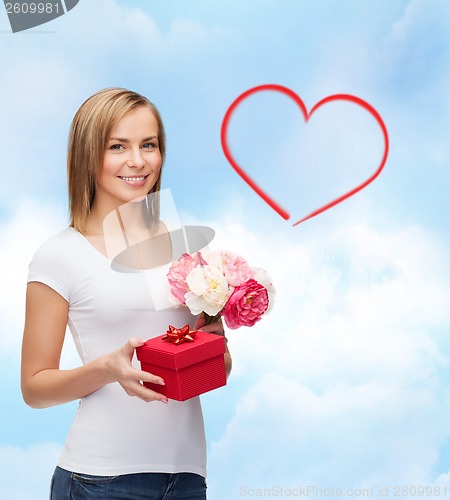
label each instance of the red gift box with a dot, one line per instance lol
(189, 368)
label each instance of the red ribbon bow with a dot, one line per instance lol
(179, 335)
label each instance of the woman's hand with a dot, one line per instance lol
(119, 368)
(218, 329)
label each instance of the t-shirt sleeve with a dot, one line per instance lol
(49, 266)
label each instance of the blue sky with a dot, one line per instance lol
(346, 383)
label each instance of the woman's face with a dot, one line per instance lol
(132, 160)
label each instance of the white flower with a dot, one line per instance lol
(209, 290)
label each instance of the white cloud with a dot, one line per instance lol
(415, 55)
(344, 383)
(380, 294)
(416, 22)
(133, 36)
(29, 226)
(443, 481)
(367, 435)
(25, 472)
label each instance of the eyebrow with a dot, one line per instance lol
(121, 139)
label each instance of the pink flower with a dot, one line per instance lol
(234, 267)
(246, 305)
(179, 271)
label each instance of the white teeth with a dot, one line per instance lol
(133, 179)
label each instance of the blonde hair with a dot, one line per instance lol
(89, 132)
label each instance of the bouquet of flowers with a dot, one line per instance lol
(221, 283)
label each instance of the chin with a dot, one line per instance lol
(138, 199)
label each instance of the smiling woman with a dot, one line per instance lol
(118, 442)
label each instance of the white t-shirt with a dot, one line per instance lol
(114, 433)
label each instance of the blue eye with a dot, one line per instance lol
(150, 145)
(116, 147)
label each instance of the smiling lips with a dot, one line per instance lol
(134, 180)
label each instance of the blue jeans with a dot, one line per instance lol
(149, 486)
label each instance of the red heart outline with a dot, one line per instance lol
(288, 92)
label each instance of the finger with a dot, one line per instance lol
(200, 321)
(134, 342)
(131, 345)
(148, 395)
(149, 377)
(140, 391)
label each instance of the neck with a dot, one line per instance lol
(116, 219)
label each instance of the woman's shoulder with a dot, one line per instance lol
(57, 245)
(51, 263)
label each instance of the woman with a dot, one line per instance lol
(124, 442)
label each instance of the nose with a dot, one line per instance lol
(136, 159)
